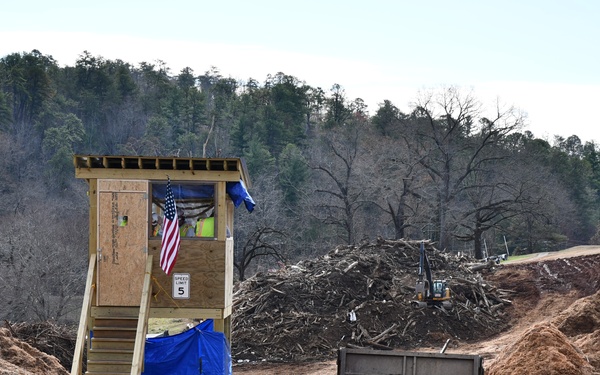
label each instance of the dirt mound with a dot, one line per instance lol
(558, 275)
(541, 350)
(18, 357)
(303, 312)
(582, 317)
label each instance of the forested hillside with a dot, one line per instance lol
(325, 169)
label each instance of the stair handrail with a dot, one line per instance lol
(142, 327)
(82, 330)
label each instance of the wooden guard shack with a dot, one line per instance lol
(125, 284)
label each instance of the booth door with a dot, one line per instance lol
(122, 241)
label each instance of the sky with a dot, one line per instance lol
(541, 57)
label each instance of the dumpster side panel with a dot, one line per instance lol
(379, 362)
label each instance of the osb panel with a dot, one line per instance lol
(122, 248)
(122, 185)
(206, 262)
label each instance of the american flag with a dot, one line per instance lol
(170, 239)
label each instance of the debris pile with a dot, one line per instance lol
(19, 357)
(48, 337)
(541, 350)
(359, 296)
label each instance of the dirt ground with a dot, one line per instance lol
(546, 285)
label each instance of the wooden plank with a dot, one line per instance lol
(161, 175)
(142, 327)
(132, 162)
(93, 235)
(114, 311)
(229, 272)
(191, 313)
(227, 329)
(93, 220)
(219, 325)
(230, 215)
(82, 330)
(164, 312)
(221, 210)
(95, 166)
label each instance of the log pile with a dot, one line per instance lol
(359, 296)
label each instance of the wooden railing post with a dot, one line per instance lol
(142, 327)
(82, 331)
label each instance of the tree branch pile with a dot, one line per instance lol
(27, 349)
(47, 337)
(359, 296)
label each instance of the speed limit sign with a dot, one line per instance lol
(181, 285)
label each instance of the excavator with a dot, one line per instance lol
(430, 293)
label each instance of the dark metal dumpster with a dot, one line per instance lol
(384, 362)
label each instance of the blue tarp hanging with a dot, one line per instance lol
(199, 350)
(238, 193)
(236, 190)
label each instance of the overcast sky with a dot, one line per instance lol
(540, 56)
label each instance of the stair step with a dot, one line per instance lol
(116, 333)
(112, 343)
(110, 354)
(124, 335)
(109, 365)
(123, 322)
(107, 372)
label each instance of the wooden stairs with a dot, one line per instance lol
(112, 344)
(117, 335)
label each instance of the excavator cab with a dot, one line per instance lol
(439, 289)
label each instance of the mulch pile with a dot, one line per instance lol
(581, 324)
(541, 350)
(18, 356)
(302, 312)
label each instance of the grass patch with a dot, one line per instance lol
(519, 257)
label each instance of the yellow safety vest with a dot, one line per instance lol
(205, 227)
(183, 230)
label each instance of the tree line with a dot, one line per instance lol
(325, 169)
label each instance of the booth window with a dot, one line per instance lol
(195, 209)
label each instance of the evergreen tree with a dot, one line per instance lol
(293, 175)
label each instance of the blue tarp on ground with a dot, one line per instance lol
(199, 350)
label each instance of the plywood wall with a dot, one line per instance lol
(210, 265)
(122, 241)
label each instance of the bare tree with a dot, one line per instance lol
(452, 137)
(491, 199)
(338, 182)
(397, 186)
(43, 256)
(258, 244)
